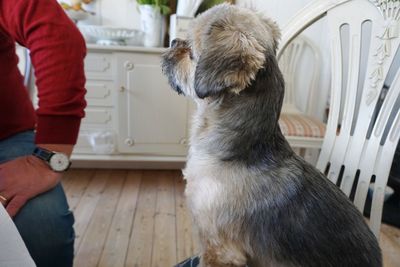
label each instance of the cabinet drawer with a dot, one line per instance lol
(99, 93)
(99, 66)
(98, 117)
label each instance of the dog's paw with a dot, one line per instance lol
(223, 257)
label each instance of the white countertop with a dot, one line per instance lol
(125, 48)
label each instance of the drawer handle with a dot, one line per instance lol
(129, 65)
(183, 141)
(129, 141)
(108, 118)
(122, 88)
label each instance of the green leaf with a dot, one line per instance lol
(162, 5)
(165, 10)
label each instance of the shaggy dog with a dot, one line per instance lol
(254, 202)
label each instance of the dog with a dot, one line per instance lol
(254, 201)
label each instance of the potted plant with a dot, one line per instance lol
(152, 21)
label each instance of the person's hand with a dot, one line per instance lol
(22, 179)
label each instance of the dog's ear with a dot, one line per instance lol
(229, 60)
(273, 28)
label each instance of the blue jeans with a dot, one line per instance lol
(45, 222)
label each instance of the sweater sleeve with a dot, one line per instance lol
(57, 51)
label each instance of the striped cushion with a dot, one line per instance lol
(301, 125)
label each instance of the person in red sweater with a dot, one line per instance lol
(35, 145)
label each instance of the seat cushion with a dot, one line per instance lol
(301, 126)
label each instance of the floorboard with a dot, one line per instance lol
(91, 247)
(116, 245)
(88, 204)
(140, 246)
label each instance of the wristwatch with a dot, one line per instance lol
(58, 162)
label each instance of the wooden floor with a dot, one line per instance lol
(139, 219)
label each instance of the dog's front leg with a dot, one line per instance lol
(222, 256)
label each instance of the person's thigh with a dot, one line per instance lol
(45, 222)
(16, 146)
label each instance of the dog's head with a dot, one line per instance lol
(226, 47)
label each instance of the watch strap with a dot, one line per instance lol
(42, 153)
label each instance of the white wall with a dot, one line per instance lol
(122, 13)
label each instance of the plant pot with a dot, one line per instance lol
(152, 24)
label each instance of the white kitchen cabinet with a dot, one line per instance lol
(152, 117)
(132, 115)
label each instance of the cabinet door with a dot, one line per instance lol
(153, 119)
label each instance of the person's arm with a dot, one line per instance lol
(57, 51)
(26, 177)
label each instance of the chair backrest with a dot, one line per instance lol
(364, 120)
(290, 62)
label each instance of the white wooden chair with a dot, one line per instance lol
(364, 120)
(301, 128)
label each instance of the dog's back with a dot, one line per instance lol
(294, 215)
(308, 221)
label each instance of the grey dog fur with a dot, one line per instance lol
(254, 201)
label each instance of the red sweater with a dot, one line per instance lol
(57, 51)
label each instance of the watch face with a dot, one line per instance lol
(59, 162)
